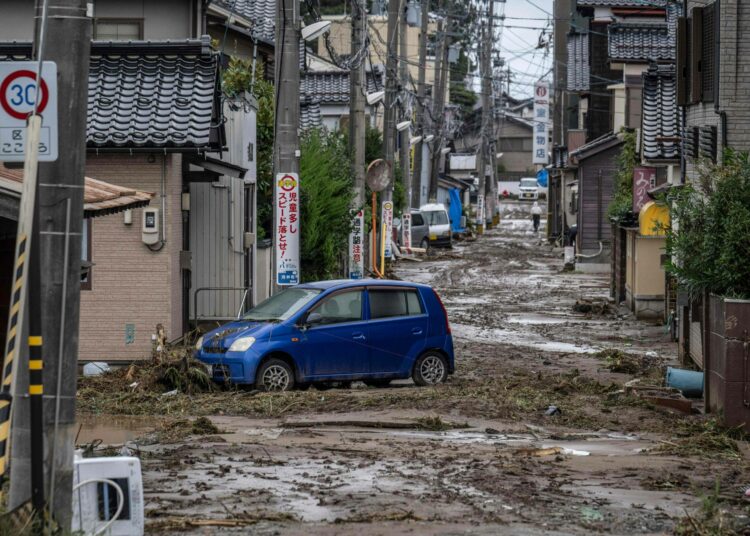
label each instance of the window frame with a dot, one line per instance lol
(117, 20)
(404, 290)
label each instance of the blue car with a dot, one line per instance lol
(334, 331)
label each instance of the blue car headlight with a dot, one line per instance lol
(199, 343)
(242, 344)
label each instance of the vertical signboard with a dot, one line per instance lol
(406, 230)
(287, 229)
(644, 178)
(18, 93)
(388, 221)
(356, 252)
(541, 120)
(480, 209)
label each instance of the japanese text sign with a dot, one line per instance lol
(286, 198)
(356, 247)
(541, 121)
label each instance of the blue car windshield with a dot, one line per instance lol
(283, 305)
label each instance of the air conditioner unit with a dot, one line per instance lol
(96, 500)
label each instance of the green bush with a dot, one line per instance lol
(622, 200)
(709, 241)
(326, 197)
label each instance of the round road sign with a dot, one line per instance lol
(18, 94)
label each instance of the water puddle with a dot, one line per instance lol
(114, 429)
(518, 338)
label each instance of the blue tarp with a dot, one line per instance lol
(455, 210)
(541, 178)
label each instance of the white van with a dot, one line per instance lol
(436, 217)
(528, 189)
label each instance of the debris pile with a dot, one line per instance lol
(591, 307)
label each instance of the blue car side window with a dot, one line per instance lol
(341, 307)
(387, 303)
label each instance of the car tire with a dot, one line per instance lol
(430, 368)
(274, 375)
(377, 383)
(424, 244)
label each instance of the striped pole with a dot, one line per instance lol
(36, 395)
(18, 294)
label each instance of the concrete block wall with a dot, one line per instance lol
(132, 285)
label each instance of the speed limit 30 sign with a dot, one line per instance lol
(18, 93)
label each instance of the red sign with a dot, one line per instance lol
(18, 94)
(644, 179)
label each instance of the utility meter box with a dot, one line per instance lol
(96, 503)
(150, 230)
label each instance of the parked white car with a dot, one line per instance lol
(436, 217)
(528, 189)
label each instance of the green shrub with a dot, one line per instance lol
(325, 210)
(622, 200)
(708, 243)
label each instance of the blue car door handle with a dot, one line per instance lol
(358, 336)
(416, 331)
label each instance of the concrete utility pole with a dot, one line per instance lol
(60, 202)
(404, 135)
(484, 150)
(357, 88)
(421, 105)
(491, 184)
(286, 123)
(438, 94)
(389, 131)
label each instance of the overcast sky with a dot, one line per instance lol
(518, 45)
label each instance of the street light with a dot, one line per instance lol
(445, 150)
(403, 125)
(499, 155)
(429, 138)
(415, 140)
(374, 98)
(315, 30)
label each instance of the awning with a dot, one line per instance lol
(100, 198)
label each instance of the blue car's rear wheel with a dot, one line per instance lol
(274, 375)
(430, 368)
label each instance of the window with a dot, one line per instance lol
(86, 263)
(386, 303)
(416, 219)
(118, 30)
(342, 307)
(515, 144)
(697, 58)
(436, 217)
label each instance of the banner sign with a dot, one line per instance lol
(644, 178)
(287, 229)
(356, 251)
(541, 120)
(480, 209)
(406, 229)
(387, 219)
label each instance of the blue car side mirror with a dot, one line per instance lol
(313, 318)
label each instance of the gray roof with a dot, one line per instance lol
(579, 70)
(148, 94)
(595, 146)
(622, 3)
(332, 87)
(641, 41)
(262, 13)
(309, 116)
(661, 118)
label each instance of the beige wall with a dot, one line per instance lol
(649, 273)
(130, 283)
(341, 33)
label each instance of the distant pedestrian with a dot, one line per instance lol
(536, 215)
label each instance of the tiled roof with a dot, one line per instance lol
(641, 42)
(661, 118)
(622, 3)
(148, 94)
(309, 113)
(261, 13)
(332, 87)
(595, 146)
(99, 197)
(579, 69)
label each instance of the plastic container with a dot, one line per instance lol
(690, 382)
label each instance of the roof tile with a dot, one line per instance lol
(641, 42)
(661, 118)
(579, 70)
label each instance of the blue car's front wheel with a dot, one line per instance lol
(274, 375)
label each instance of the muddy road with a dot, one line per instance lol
(482, 454)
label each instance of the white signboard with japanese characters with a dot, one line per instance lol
(541, 121)
(18, 94)
(387, 219)
(286, 198)
(406, 230)
(480, 209)
(356, 247)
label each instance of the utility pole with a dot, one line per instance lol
(444, 28)
(60, 223)
(286, 122)
(404, 135)
(491, 184)
(357, 87)
(421, 105)
(389, 130)
(484, 146)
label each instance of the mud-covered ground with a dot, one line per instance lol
(478, 455)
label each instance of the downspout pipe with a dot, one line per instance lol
(717, 76)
